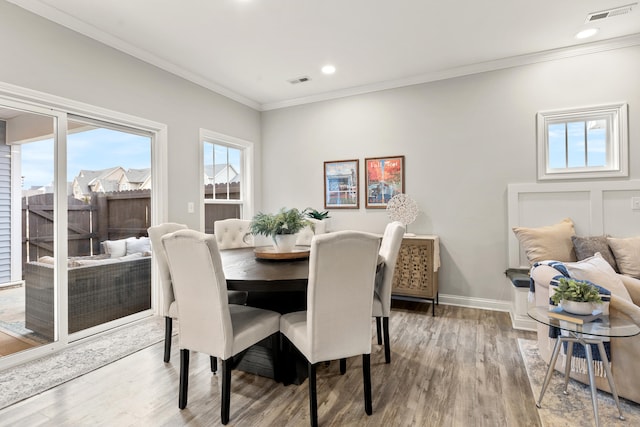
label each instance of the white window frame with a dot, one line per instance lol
(617, 161)
(246, 184)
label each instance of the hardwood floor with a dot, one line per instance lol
(460, 368)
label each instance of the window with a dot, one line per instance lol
(589, 142)
(226, 179)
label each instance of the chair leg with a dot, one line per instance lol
(168, 329)
(366, 376)
(378, 331)
(313, 397)
(214, 364)
(343, 366)
(184, 378)
(275, 354)
(387, 344)
(226, 390)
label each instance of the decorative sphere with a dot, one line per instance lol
(402, 208)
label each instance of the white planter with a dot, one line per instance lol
(285, 242)
(576, 307)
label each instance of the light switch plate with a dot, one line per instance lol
(635, 203)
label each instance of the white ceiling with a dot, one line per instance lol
(249, 49)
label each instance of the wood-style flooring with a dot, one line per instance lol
(460, 368)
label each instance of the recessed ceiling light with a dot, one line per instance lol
(328, 69)
(587, 33)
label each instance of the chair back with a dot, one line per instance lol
(233, 233)
(389, 249)
(201, 293)
(342, 267)
(155, 234)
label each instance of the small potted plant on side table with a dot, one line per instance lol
(576, 296)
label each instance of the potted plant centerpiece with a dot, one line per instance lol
(576, 296)
(281, 227)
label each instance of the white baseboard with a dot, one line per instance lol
(482, 303)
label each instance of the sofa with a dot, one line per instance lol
(613, 263)
(101, 288)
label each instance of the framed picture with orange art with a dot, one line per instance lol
(384, 179)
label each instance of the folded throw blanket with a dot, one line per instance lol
(579, 356)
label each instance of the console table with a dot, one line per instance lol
(416, 274)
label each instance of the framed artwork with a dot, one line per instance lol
(341, 184)
(384, 179)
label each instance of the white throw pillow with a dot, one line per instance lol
(627, 254)
(141, 245)
(116, 248)
(597, 270)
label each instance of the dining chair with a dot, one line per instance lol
(337, 322)
(233, 233)
(208, 323)
(168, 299)
(389, 249)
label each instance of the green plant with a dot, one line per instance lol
(575, 290)
(284, 222)
(315, 214)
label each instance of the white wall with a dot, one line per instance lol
(40, 55)
(464, 140)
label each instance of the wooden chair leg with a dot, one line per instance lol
(214, 364)
(366, 376)
(387, 343)
(168, 329)
(343, 366)
(184, 378)
(226, 390)
(313, 397)
(378, 331)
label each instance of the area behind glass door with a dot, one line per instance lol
(109, 198)
(28, 290)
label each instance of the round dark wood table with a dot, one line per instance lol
(245, 272)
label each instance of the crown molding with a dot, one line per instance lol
(499, 64)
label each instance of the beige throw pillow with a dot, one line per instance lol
(551, 242)
(597, 270)
(627, 253)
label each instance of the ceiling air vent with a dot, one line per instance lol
(621, 10)
(299, 80)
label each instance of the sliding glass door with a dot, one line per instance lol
(75, 205)
(109, 211)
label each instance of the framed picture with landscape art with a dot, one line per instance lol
(384, 179)
(341, 184)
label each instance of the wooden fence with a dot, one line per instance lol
(104, 216)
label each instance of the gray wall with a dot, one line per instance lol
(464, 140)
(43, 56)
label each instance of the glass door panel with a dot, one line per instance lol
(109, 211)
(28, 290)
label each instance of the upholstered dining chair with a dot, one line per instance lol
(208, 323)
(168, 300)
(389, 249)
(337, 322)
(233, 233)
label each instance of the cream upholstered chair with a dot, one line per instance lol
(337, 322)
(389, 248)
(233, 233)
(208, 323)
(168, 300)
